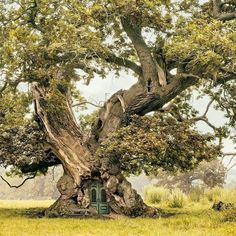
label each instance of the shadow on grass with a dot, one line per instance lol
(39, 213)
(25, 212)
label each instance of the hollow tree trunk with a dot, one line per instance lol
(81, 168)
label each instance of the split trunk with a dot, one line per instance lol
(90, 185)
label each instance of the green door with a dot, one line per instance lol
(98, 198)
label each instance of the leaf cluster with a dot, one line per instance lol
(160, 141)
(21, 146)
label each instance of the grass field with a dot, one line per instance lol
(193, 219)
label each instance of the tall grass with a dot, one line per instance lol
(197, 194)
(177, 199)
(219, 194)
(155, 195)
(174, 198)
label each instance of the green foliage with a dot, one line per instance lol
(226, 98)
(21, 145)
(204, 46)
(160, 142)
(50, 42)
(87, 120)
(14, 107)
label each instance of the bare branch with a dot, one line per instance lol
(86, 102)
(18, 186)
(208, 107)
(231, 159)
(204, 119)
(230, 154)
(231, 167)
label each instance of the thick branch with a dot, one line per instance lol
(123, 104)
(148, 64)
(122, 62)
(108, 57)
(229, 154)
(64, 135)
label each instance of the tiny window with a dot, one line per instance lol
(103, 196)
(94, 195)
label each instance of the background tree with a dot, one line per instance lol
(172, 47)
(206, 175)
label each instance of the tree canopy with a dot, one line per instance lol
(172, 47)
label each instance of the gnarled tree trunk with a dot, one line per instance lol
(81, 167)
(53, 107)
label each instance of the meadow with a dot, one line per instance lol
(188, 215)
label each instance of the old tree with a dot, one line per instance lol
(172, 48)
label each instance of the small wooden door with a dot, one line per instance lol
(98, 198)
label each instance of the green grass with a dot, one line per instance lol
(192, 219)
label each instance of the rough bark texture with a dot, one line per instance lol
(81, 168)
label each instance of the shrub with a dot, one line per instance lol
(178, 199)
(156, 195)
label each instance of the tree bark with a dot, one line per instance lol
(81, 167)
